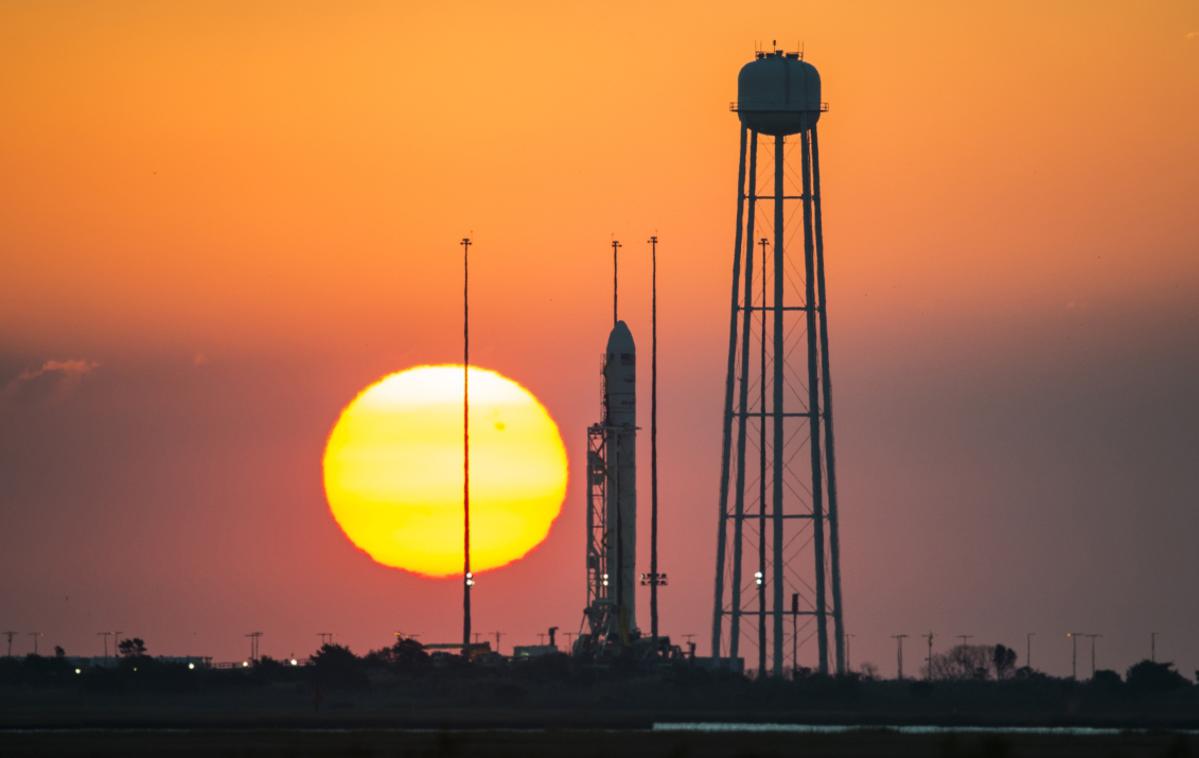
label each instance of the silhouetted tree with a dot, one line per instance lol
(335, 666)
(409, 655)
(963, 662)
(59, 652)
(132, 648)
(1107, 680)
(1148, 677)
(1025, 673)
(1003, 659)
(405, 655)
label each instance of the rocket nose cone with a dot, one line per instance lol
(620, 340)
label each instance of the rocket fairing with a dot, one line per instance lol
(620, 430)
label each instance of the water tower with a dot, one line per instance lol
(778, 573)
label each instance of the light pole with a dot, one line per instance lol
(1093, 637)
(690, 645)
(1074, 653)
(35, 636)
(468, 578)
(929, 637)
(899, 638)
(760, 582)
(254, 637)
(10, 635)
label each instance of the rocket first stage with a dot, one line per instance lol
(612, 497)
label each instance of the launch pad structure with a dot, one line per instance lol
(778, 550)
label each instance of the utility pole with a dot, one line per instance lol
(35, 636)
(965, 638)
(497, 640)
(1028, 649)
(326, 638)
(794, 633)
(1074, 654)
(1153, 646)
(254, 637)
(569, 637)
(848, 660)
(541, 638)
(1093, 638)
(653, 445)
(116, 643)
(929, 638)
(899, 638)
(10, 635)
(615, 280)
(468, 578)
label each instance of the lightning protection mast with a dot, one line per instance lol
(468, 578)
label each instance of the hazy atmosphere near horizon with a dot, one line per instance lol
(221, 222)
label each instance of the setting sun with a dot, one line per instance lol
(393, 470)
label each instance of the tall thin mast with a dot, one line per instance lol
(468, 579)
(654, 579)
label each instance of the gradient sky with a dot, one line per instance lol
(219, 221)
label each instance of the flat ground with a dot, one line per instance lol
(580, 743)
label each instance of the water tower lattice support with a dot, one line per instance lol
(776, 494)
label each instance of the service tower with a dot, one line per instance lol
(612, 498)
(777, 555)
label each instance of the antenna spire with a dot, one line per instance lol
(615, 280)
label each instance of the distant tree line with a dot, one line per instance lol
(985, 678)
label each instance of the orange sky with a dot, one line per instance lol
(277, 190)
(205, 163)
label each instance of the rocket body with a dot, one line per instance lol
(620, 423)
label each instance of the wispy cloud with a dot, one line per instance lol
(52, 382)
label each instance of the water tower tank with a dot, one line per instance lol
(778, 94)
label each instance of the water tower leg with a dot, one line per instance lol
(814, 409)
(727, 420)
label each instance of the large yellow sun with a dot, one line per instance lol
(393, 470)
